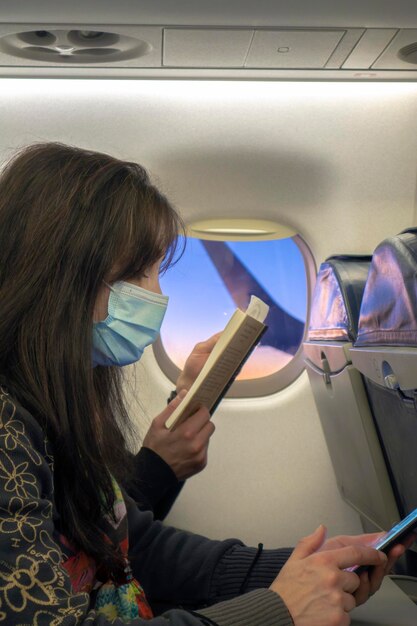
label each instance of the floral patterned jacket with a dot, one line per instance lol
(175, 568)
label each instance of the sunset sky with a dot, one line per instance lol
(200, 305)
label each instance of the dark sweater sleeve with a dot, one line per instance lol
(204, 575)
(155, 486)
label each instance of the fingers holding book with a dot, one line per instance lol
(185, 449)
(196, 361)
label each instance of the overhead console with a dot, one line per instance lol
(208, 52)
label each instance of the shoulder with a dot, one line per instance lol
(22, 440)
(11, 411)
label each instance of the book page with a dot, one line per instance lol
(257, 309)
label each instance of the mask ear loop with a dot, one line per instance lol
(107, 306)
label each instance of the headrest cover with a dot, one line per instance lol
(388, 314)
(337, 297)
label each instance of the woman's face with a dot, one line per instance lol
(149, 281)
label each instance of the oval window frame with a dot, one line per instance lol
(279, 380)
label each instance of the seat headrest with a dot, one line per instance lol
(337, 297)
(388, 314)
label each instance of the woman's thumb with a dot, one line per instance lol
(169, 409)
(310, 544)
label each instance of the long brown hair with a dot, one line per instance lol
(68, 217)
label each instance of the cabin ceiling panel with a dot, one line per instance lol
(193, 47)
(292, 48)
(263, 13)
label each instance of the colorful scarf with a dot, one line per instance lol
(124, 599)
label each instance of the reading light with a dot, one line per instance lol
(236, 229)
(200, 92)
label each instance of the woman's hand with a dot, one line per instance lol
(186, 448)
(314, 584)
(195, 362)
(370, 581)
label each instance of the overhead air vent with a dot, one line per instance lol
(74, 46)
(409, 53)
(83, 46)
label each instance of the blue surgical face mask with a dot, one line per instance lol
(134, 320)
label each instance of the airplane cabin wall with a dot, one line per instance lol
(337, 161)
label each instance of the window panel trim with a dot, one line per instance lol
(266, 385)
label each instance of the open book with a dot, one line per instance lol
(233, 347)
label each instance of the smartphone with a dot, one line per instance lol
(390, 539)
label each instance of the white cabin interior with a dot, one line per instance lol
(333, 155)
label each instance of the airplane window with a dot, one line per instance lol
(212, 278)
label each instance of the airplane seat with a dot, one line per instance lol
(385, 352)
(340, 395)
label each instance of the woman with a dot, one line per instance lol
(83, 238)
